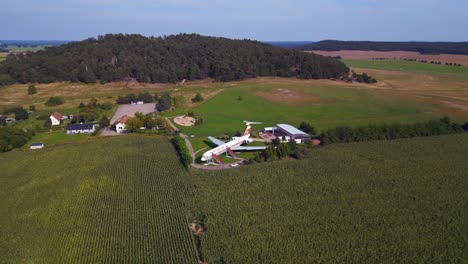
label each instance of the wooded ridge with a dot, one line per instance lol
(164, 60)
(421, 47)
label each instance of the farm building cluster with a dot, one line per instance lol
(57, 119)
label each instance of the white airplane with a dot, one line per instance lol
(231, 146)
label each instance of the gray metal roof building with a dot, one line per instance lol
(293, 132)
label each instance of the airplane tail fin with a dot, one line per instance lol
(247, 131)
(249, 126)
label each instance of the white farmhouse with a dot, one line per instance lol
(121, 124)
(55, 118)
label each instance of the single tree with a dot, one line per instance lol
(53, 101)
(165, 102)
(32, 89)
(307, 128)
(197, 98)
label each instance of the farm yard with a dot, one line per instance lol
(131, 109)
(133, 201)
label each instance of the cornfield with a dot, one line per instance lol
(129, 200)
(119, 200)
(375, 202)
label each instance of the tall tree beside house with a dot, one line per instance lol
(149, 122)
(32, 89)
(104, 121)
(307, 128)
(134, 124)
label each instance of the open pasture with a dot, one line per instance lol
(409, 66)
(394, 55)
(322, 103)
(74, 93)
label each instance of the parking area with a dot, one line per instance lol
(131, 109)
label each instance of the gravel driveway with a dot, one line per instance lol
(130, 110)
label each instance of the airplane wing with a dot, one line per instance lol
(216, 141)
(248, 148)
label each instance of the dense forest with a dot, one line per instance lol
(421, 47)
(165, 59)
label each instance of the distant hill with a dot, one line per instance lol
(421, 47)
(165, 59)
(28, 43)
(289, 44)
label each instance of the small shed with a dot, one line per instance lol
(37, 145)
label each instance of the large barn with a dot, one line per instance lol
(80, 129)
(292, 132)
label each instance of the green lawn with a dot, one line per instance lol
(2, 59)
(337, 106)
(409, 66)
(56, 137)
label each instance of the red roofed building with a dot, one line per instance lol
(55, 118)
(121, 124)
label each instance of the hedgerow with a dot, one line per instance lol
(182, 149)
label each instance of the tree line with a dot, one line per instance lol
(346, 134)
(167, 59)
(421, 47)
(11, 138)
(182, 150)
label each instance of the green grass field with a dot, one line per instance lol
(376, 202)
(128, 199)
(116, 200)
(408, 66)
(56, 137)
(2, 59)
(336, 106)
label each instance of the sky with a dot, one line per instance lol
(264, 20)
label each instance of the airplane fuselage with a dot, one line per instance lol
(223, 148)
